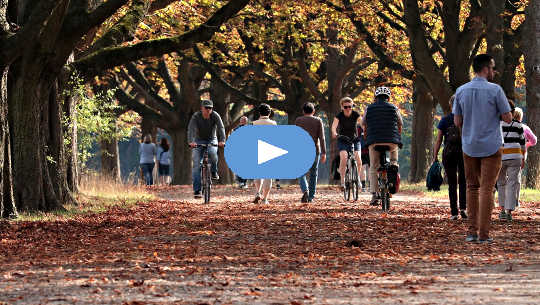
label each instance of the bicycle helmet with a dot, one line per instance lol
(382, 91)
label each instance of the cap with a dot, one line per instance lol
(207, 103)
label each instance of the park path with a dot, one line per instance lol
(178, 250)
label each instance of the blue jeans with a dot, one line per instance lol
(313, 173)
(147, 169)
(196, 156)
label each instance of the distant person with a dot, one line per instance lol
(205, 127)
(263, 186)
(452, 160)
(364, 154)
(147, 152)
(314, 126)
(478, 109)
(344, 124)
(513, 161)
(242, 183)
(164, 159)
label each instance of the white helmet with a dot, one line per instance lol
(382, 90)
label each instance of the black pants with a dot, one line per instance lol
(455, 171)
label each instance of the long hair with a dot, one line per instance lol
(164, 144)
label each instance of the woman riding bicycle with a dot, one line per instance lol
(382, 125)
(345, 125)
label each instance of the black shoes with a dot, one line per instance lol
(463, 214)
(197, 194)
(215, 176)
(304, 197)
(374, 200)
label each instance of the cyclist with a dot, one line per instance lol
(345, 124)
(382, 125)
(202, 129)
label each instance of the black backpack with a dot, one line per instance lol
(452, 142)
(434, 177)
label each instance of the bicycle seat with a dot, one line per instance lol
(382, 148)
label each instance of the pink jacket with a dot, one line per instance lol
(529, 136)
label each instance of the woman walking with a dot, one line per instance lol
(164, 157)
(147, 152)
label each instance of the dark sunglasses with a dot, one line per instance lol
(347, 107)
(208, 108)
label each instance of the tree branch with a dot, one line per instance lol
(137, 79)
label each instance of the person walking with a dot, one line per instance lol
(242, 183)
(163, 158)
(452, 159)
(513, 160)
(478, 108)
(147, 152)
(263, 186)
(205, 127)
(314, 126)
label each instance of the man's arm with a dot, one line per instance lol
(437, 145)
(192, 131)
(322, 141)
(400, 120)
(363, 123)
(220, 130)
(334, 127)
(507, 117)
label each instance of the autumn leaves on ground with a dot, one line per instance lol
(174, 249)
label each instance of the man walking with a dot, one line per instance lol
(202, 129)
(478, 109)
(314, 126)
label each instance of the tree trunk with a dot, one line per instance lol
(422, 132)
(72, 155)
(221, 97)
(110, 160)
(148, 127)
(181, 173)
(7, 204)
(532, 67)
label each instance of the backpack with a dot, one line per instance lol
(434, 177)
(452, 142)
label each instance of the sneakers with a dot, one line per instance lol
(265, 201)
(454, 217)
(278, 186)
(485, 241)
(197, 194)
(374, 200)
(508, 216)
(304, 197)
(502, 215)
(242, 185)
(215, 176)
(463, 214)
(471, 238)
(257, 199)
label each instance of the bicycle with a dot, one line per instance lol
(351, 171)
(206, 176)
(385, 186)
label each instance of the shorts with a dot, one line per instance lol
(345, 146)
(163, 169)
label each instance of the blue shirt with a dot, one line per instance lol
(481, 104)
(445, 123)
(147, 152)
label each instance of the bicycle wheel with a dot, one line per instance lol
(354, 180)
(385, 201)
(347, 189)
(207, 185)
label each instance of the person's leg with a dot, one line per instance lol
(462, 184)
(303, 183)
(472, 174)
(313, 174)
(513, 171)
(342, 165)
(196, 155)
(394, 148)
(490, 167)
(374, 160)
(266, 186)
(501, 185)
(151, 173)
(450, 167)
(358, 159)
(213, 158)
(144, 168)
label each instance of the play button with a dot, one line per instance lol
(269, 151)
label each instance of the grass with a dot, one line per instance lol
(527, 195)
(97, 195)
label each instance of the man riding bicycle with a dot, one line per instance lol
(382, 125)
(202, 129)
(345, 125)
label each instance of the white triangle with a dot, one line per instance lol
(267, 152)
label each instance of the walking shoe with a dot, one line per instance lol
(304, 197)
(265, 201)
(463, 214)
(485, 241)
(502, 215)
(508, 216)
(471, 238)
(454, 217)
(215, 176)
(278, 186)
(310, 200)
(197, 194)
(374, 200)
(257, 199)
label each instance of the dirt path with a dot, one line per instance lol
(177, 250)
